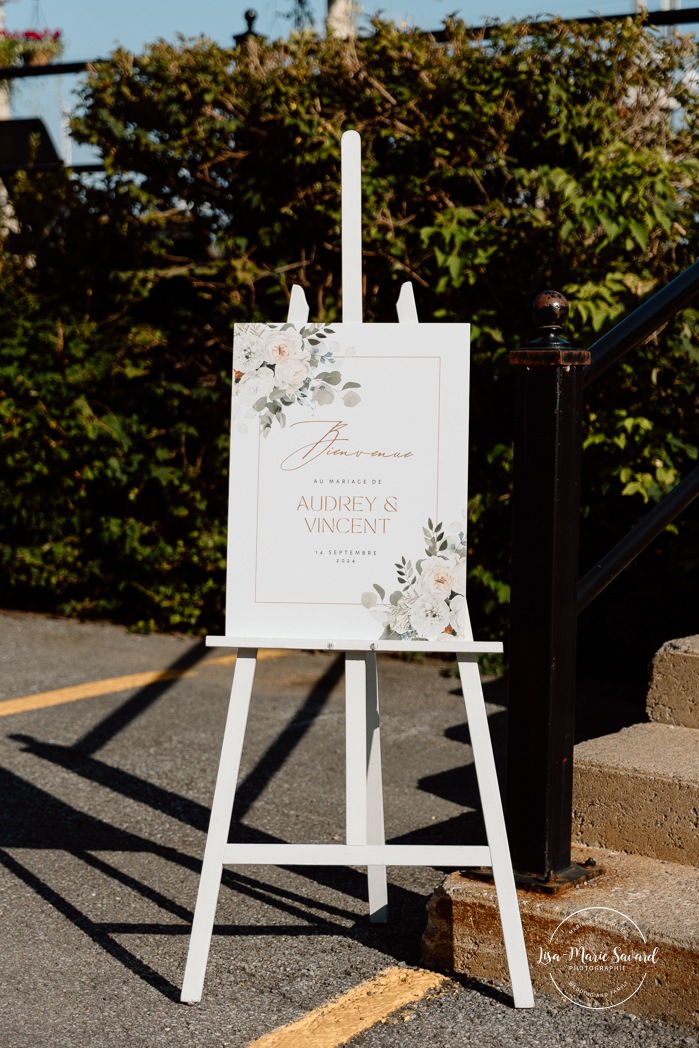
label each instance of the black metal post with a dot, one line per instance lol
(543, 617)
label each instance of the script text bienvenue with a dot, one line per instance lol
(327, 444)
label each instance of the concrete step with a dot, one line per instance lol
(638, 791)
(673, 695)
(646, 908)
(635, 791)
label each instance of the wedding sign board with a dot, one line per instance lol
(347, 529)
(348, 483)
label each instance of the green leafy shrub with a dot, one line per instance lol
(558, 155)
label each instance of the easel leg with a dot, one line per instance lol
(364, 801)
(378, 886)
(497, 835)
(219, 825)
(355, 747)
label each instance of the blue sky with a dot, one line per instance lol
(93, 28)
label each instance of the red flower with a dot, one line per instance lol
(36, 34)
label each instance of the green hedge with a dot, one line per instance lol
(555, 156)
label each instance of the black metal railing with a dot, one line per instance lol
(625, 551)
(676, 16)
(22, 72)
(684, 16)
(546, 594)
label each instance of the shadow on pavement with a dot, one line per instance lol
(105, 731)
(250, 788)
(31, 818)
(36, 820)
(92, 929)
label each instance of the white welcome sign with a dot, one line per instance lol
(348, 483)
(347, 529)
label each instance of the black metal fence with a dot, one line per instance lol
(546, 595)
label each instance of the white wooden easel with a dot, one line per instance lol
(365, 839)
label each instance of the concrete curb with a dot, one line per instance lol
(673, 695)
(639, 788)
(463, 933)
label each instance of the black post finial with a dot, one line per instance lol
(550, 310)
(250, 16)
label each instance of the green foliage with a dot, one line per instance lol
(556, 156)
(106, 507)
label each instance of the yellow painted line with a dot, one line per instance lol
(338, 1021)
(109, 686)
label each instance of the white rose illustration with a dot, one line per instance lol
(429, 617)
(255, 384)
(286, 364)
(457, 614)
(248, 347)
(459, 575)
(442, 575)
(280, 346)
(291, 374)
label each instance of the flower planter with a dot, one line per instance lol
(31, 47)
(37, 58)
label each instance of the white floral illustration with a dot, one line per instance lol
(278, 365)
(248, 348)
(255, 384)
(430, 603)
(284, 344)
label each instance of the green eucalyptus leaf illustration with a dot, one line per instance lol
(332, 377)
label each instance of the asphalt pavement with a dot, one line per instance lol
(105, 803)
